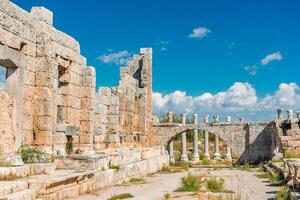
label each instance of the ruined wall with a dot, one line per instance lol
(123, 114)
(52, 87)
(7, 131)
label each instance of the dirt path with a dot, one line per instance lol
(251, 187)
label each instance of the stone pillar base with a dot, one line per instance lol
(172, 160)
(184, 158)
(228, 157)
(195, 158)
(14, 160)
(217, 156)
(207, 156)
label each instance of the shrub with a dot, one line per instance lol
(189, 183)
(31, 155)
(215, 185)
(284, 194)
(121, 196)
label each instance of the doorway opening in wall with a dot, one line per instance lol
(69, 144)
(2, 77)
(60, 83)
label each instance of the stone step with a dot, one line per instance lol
(8, 187)
(11, 173)
(27, 194)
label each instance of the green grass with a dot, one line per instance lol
(215, 185)
(263, 175)
(121, 196)
(167, 196)
(166, 170)
(288, 154)
(189, 183)
(137, 181)
(284, 194)
(116, 167)
(182, 165)
(206, 161)
(31, 155)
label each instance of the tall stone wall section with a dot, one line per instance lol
(123, 114)
(53, 89)
(7, 137)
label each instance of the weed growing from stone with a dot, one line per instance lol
(31, 155)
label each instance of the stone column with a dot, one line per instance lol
(170, 117)
(206, 145)
(171, 152)
(217, 151)
(279, 113)
(206, 139)
(184, 156)
(196, 141)
(206, 119)
(228, 153)
(216, 119)
(298, 114)
(228, 119)
(290, 114)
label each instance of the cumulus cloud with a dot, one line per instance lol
(239, 100)
(271, 57)
(117, 58)
(199, 32)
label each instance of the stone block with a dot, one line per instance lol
(43, 14)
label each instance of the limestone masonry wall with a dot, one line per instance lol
(54, 90)
(7, 137)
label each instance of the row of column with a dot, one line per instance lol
(290, 114)
(195, 155)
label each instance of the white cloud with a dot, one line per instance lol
(199, 32)
(163, 49)
(252, 69)
(239, 100)
(162, 45)
(119, 58)
(271, 57)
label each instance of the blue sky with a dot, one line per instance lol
(230, 41)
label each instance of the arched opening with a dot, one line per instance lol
(222, 152)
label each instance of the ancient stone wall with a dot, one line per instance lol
(54, 89)
(123, 114)
(7, 132)
(49, 81)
